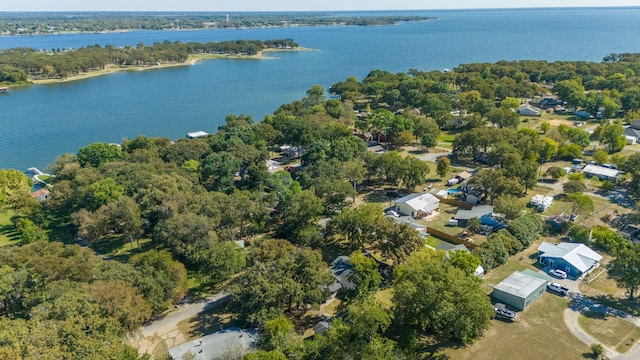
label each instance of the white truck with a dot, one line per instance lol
(558, 289)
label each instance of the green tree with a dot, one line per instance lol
(430, 295)
(625, 269)
(366, 276)
(104, 191)
(279, 334)
(509, 103)
(573, 186)
(443, 166)
(397, 241)
(509, 205)
(162, 280)
(358, 225)
(12, 182)
(545, 126)
(580, 203)
(99, 153)
(556, 172)
(464, 261)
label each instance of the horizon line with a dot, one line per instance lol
(329, 10)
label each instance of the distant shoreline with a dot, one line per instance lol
(193, 59)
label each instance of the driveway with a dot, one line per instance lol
(149, 336)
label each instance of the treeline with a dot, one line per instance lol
(608, 86)
(53, 23)
(18, 63)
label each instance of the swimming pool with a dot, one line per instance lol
(454, 192)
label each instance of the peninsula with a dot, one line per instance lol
(22, 66)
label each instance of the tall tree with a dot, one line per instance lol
(430, 295)
(625, 269)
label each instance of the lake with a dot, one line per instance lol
(38, 123)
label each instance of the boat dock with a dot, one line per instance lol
(4, 89)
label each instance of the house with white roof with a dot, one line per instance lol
(573, 258)
(601, 172)
(417, 205)
(528, 110)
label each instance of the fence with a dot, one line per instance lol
(448, 237)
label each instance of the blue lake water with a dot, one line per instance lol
(38, 123)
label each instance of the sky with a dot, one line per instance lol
(290, 5)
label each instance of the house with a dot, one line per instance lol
(521, 289)
(376, 149)
(216, 345)
(417, 205)
(528, 110)
(600, 172)
(635, 124)
(321, 327)
(583, 114)
(41, 194)
(409, 221)
(632, 135)
(573, 258)
(341, 269)
(272, 166)
(546, 102)
(631, 232)
(366, 136)
(482, 212)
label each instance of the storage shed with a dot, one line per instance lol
(520, 290)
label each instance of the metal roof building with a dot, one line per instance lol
(520, 290)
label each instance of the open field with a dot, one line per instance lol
(541, 334)
(610, 330)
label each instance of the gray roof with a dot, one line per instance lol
(215, 345)
(632, 132)
(321, 327)
(341, 270)
(445, 246)
(520, 284)
(475, 212)
(408, 220)
(578, 255)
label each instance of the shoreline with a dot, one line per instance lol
(191, 60)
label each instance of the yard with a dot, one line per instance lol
(8, 233)
(612, 331)
(541, 334)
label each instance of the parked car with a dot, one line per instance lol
(393, 213)
(558, 273)
(574, 217)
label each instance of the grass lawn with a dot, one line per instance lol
(8, 232)
(610, 330)
(541, 334)
(601, 285)
(525, 259)
(117, 247)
